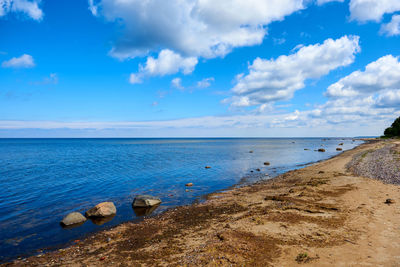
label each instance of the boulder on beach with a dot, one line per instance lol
(74, 218)
(144, 201)
(321, 150)
(267, 163)
(339, 149)
(102, 210)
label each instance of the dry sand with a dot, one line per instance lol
(322, 215)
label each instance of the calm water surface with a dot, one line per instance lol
(42, 180)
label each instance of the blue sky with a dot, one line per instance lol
(193, 68)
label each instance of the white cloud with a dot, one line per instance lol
(390, 98)
(168, 62)
(278, 79)
(30, 8)
(135, 78)
(279, 41)
(205, 83)
(52, 79)
(289, 124)
(366, 97)
(322, 2)
(177, 83)
(383, 74)
(372, 10)
(393, 27)
(93, 7)
(193, 28)
(24, 61)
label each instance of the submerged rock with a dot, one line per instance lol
(251, 151)
(143, 201)
(73, 219)
(321, 150)
(102, 210)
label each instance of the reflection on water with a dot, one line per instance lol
(43, 180)
(103, 220)
(71, 226)
(144, 211)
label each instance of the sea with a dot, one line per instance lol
(42, 180)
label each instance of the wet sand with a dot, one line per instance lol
(322, 215)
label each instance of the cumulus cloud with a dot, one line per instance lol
(30, 8)
(168, 62)
(24, 61)
(393, 27)
(383, 74)
(278, 79)
(194, 28)
(372, 10)
(387, 99)
(372, 95)
(322, 2)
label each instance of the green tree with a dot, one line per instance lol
(393, 130)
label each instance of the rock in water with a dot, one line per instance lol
(102, 210)
(73, 218)
(189, 184)
(267, 163)
(341, 144)
(339, 149)
(143, 201)
(321, 150)
(207, 167)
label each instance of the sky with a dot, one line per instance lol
(198, 68)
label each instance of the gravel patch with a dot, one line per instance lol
(382, 164)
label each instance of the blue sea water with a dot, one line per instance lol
(42, 180)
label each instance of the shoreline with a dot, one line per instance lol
(247, 180)
(191, 217)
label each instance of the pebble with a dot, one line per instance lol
(389, 201)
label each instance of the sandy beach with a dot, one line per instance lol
(321, 215)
